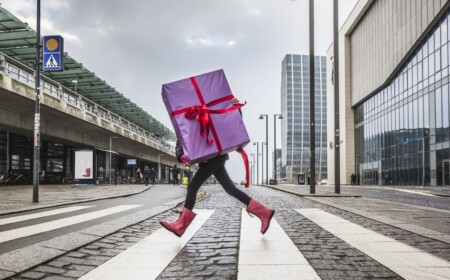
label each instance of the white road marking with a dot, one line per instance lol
(41, 214)
(149, 257)
(400, 190)
(406, 261)
(269, 256)
(415, 192)
(48, 226)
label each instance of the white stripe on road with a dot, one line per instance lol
(41, 214)
(269, 256)
(403, 190)
(406, 261)
(149, 257)
(48, 226)
(415, 192)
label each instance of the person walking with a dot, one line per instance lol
(146, 175)
(175, 173)
(353, 179)
(216, 167)
(138, 175)
(152, 175)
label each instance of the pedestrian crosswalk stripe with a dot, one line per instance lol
(41, 214)
(149, 257)
(269, 256)
(405, 260)
(48, 226)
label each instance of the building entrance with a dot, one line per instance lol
(446, 173)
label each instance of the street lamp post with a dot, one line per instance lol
(37, 108)
(253, 167)
(159, 167)
(425, 137)
(312, 128)
(257, 162)
(267, 145)
(337, 140)
(262, 161)
(110, 158)
(275, 145)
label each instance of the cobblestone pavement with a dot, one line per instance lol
(213, 252)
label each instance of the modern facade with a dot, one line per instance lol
(277, 168)
(394, 85)
(296, 121)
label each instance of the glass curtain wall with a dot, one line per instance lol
(403, 131)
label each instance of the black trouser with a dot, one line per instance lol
(214, 167)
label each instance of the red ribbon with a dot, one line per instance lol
(201, 114)
(245, 158)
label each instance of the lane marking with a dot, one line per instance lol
(150, 256)
(402, 190)
(41, 214)
(48, 226)
(416, 192)
(405, 260)
(269, 256)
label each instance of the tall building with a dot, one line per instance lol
(276, 169)
(296, 122)
(394, 85)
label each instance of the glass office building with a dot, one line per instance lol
(295, 123)
(402, 132)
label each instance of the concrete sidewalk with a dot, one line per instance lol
(19, 198)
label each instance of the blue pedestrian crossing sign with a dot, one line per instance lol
(53, 50)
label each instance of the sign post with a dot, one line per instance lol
(37, 109)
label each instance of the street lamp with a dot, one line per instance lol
(257, 161)
(262, 161)
(275, 145)
(159, 167)
(425, 137)
(75, 82)
(262, 116)
(253, 167)
(110, 152)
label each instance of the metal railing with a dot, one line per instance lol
(24, 74)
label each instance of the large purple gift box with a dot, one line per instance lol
(203, 116)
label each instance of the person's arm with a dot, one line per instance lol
(235, 101)
(179, 151)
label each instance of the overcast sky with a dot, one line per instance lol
(138, 45)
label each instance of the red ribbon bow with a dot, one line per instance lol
(201, 114)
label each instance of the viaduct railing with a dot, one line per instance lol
(24, 74)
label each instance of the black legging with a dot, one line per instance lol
(214, 167)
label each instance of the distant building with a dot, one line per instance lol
(394, 87)
(278, 168)
(295, 123)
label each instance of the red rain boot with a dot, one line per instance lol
(88, 173)
(179, 226)
(262, 212)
